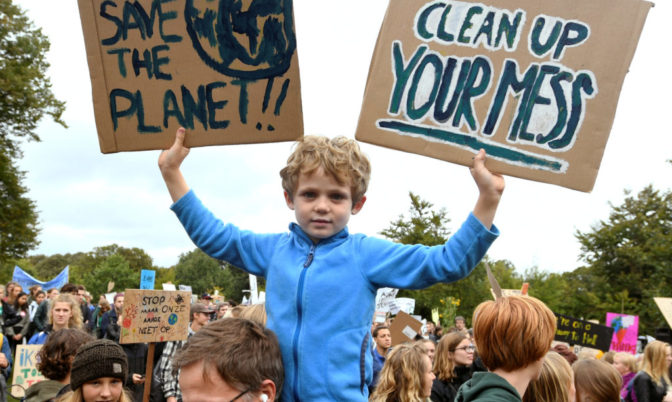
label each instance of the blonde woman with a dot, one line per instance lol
(555, 383)
(596, 381)
(65, 313)
(626, 365)
(652, 382)
(406, 376)
(453, 366)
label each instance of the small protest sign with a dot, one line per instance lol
(226, 71)
(385, 298)
(25, 371)
(147, 277)
(169, 286)
(154, 316)
(534, 83)
(585, 333)
(665, 306)
(405, 304)
(625, 332)
(404, 328)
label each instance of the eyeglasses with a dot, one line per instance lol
(239, 395)
(470, 348)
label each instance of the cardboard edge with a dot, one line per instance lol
(94, 59)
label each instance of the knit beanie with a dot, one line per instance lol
(98, 359)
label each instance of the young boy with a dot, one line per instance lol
(321, 281)
(512, 334)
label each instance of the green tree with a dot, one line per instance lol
(18, 213)
(423, 226)
(629, 257)
(199, 271)
(116, 269)
(25, 89)
(25, 97)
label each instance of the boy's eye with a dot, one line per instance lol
(309, 194)
(338, 196)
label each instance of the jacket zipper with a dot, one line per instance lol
(297, 330)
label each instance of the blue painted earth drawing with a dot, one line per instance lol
(250, 39)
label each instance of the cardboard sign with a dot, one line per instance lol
(25, 372)
(665, 306)
(154, 316)
(534, 83)
(404, 328)
(625, 332)
(147, 277)
(226, 71)
(585, 333)
(405, 304)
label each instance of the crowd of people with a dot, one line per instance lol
(82, 360)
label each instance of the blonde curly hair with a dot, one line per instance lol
(339, 157)
(402, 376)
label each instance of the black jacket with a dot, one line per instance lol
(447, 390)
(646, 390)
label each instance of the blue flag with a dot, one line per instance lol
(25, 280)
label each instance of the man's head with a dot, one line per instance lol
(81, 292)
(118, 302)
(324, 183)
(430, 327)
(382, 337)
(52, 293)
(513, 332)
(459, 323)
(207, 369)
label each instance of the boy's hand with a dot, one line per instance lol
(170, 161)
(490, 187)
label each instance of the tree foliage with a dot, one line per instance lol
(629, 256)
(18, 213)
(423, 226)
(114, 268)
(25, 89)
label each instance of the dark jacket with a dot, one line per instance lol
(445, 391)
(646, 390)
(487, 387)
(43, 391)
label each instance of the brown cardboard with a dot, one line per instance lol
(149, 76)
(404, 328)
(665, 306)
(155, 316)
(416, 57)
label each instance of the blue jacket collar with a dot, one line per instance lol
(296, 229)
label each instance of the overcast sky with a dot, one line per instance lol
(87, 199)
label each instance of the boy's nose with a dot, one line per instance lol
(322, 204)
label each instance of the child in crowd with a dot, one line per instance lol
(406, 376)
(324, 340)
(512, 335)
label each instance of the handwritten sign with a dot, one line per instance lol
(25, 370)
(585, 333)
(534, 83)
(625, 332)
(228, 71)
(154, 316)
(385, 299)
(147, 277)
(404, 328)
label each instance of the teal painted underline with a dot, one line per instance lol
(475, 144)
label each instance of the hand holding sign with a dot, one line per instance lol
(490, 187)
(170, 161)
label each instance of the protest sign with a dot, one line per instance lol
(385, 298)
(226, 71)
(154, 316)
(585, 333)
(169, 286)
(665, 306)
(405, 304)
(625, 332)
(147, 277)
(534, 83)
(25, 372)
(404, 328)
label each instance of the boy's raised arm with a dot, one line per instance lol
(490, 187)
(169, 164)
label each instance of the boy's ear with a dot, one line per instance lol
(358, 205)
(288, 200)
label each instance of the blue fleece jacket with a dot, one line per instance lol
(320, 297)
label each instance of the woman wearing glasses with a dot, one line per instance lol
(452, 365)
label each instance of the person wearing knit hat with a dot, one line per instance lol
(98, 373)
